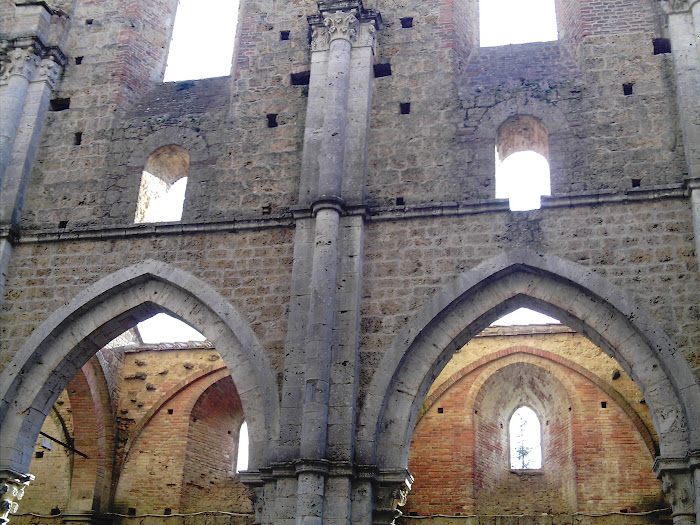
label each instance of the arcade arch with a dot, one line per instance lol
(56, 350)
(558, 288)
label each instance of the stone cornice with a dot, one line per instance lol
(370, 213)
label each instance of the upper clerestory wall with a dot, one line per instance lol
(443, 150)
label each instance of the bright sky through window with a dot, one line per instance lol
(524, 317)
(524, 432)
(523, 178)
(242, 461)
(504, 22)
(168, 207)
(203, 36)
(162, 328)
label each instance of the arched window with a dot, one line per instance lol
(522, 166)
(203, 38)
(504, 22)
(242, 458)
(525, 438)
(163, 185)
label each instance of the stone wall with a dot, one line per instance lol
(336, 236)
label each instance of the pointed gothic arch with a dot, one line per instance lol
(55, 351)
(559, 288)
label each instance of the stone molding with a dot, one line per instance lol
(390, 487)
(374, 213)
(328, 203)
(12, 485)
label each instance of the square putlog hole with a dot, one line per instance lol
(301, 79)
(59, 104)
(382, 70)
(662, 46)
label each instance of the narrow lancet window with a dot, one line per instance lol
(525, 436)
(243, 443)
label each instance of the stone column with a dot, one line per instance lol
(694, 188)
(327, 209)
(684, 32)
(17, 70)
(30, 87)
(14, 83)
(12, 487)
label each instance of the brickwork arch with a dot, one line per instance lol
(556, 287)
(159, 464)
(203, 379)
(55, 351)
(459, 448)
(521, 351)
(94, 435)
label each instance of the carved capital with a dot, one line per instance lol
(367, 34)
(343, 19)
(20, 62)
(320, 38)
(678, 487)
(48, 71)
(676, 6)
(676, 475)
(390, 493)
(341, 25)
(12, 487)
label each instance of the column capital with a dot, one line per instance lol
(390, 492)
(343, 19)
(31, 59)
(677, 6)
(12, 485)
(20, 61)
(677, 483)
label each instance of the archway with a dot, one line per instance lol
(74, 455)
(55, 351)
(522, 278)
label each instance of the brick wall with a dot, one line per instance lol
(209, 481)
(460, 455)
(50, 489)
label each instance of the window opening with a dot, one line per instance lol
(202, 44)
(243, 443)
(524, 317)
(522, 166)
(504, 22)
(525, 437)
(163, 185)
(162, 328)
